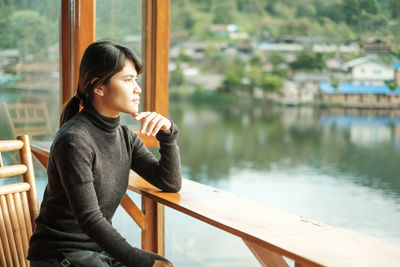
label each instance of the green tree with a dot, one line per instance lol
(7, 35)
(177, 79)
(234, 76)
(305, 60)
(370, 6)
(394, 7)
(371, 22)
(32, 32)
(276, 58)
(305, 10)
(224, 11)
(255, 77)
(351, 10)
(392, 85)
(255, 60)
(271, 83)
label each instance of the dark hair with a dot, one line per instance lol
(99, 63)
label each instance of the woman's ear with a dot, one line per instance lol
(99, 91)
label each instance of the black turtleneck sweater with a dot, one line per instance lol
(88, 171)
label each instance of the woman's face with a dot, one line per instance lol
(121, 94)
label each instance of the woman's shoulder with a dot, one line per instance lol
(74, 131)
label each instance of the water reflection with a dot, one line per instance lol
(216, 139)
(335, 165)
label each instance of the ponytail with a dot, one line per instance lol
(71, 108)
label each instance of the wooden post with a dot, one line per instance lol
(29, 177)
(77, 31)
(65, 52)
(153, 236)
(264, 256)
(155, 46)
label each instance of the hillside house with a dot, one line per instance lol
(360, 95)
(369, 70)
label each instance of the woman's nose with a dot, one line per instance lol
(137, 89)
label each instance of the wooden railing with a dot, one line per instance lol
(269, 233)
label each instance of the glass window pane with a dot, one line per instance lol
(121, 21)
(29, 69)
(29, 76)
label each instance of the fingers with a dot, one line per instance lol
(157, 119)
(152, 122)
(141, 115)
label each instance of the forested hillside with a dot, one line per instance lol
(333, 20)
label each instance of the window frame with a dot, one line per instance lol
(78, 30)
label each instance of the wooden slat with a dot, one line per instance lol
(25, 156)
(266, 257)
(16, 230)
(9, 232)
(2, 254)
(133, 211)
(21, 223)
(12, 170)
(12, 145)
(27, 215)
(13, 188)
(1, 160)
(5, 254)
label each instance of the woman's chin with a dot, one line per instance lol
(131, 110)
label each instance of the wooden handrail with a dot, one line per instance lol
(268, 232)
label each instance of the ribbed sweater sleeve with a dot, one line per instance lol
(165, 173)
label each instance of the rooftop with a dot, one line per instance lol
(349, 88)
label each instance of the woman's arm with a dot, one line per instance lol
(165, 173)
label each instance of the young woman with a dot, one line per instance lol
(89, 165)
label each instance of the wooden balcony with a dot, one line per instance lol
(269, 233)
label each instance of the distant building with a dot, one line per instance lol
(227, 30)
(336, 48)
(280, 47)
(369, 70)
(377, 46)
(360, 95)
(298, 93)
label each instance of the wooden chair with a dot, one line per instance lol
(28, 118)
(18, 204)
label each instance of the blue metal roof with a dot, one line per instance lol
(396, 66)
(326, 87)
(349, 88)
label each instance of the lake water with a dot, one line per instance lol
(336, 166)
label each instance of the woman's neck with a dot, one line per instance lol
(103, 109)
